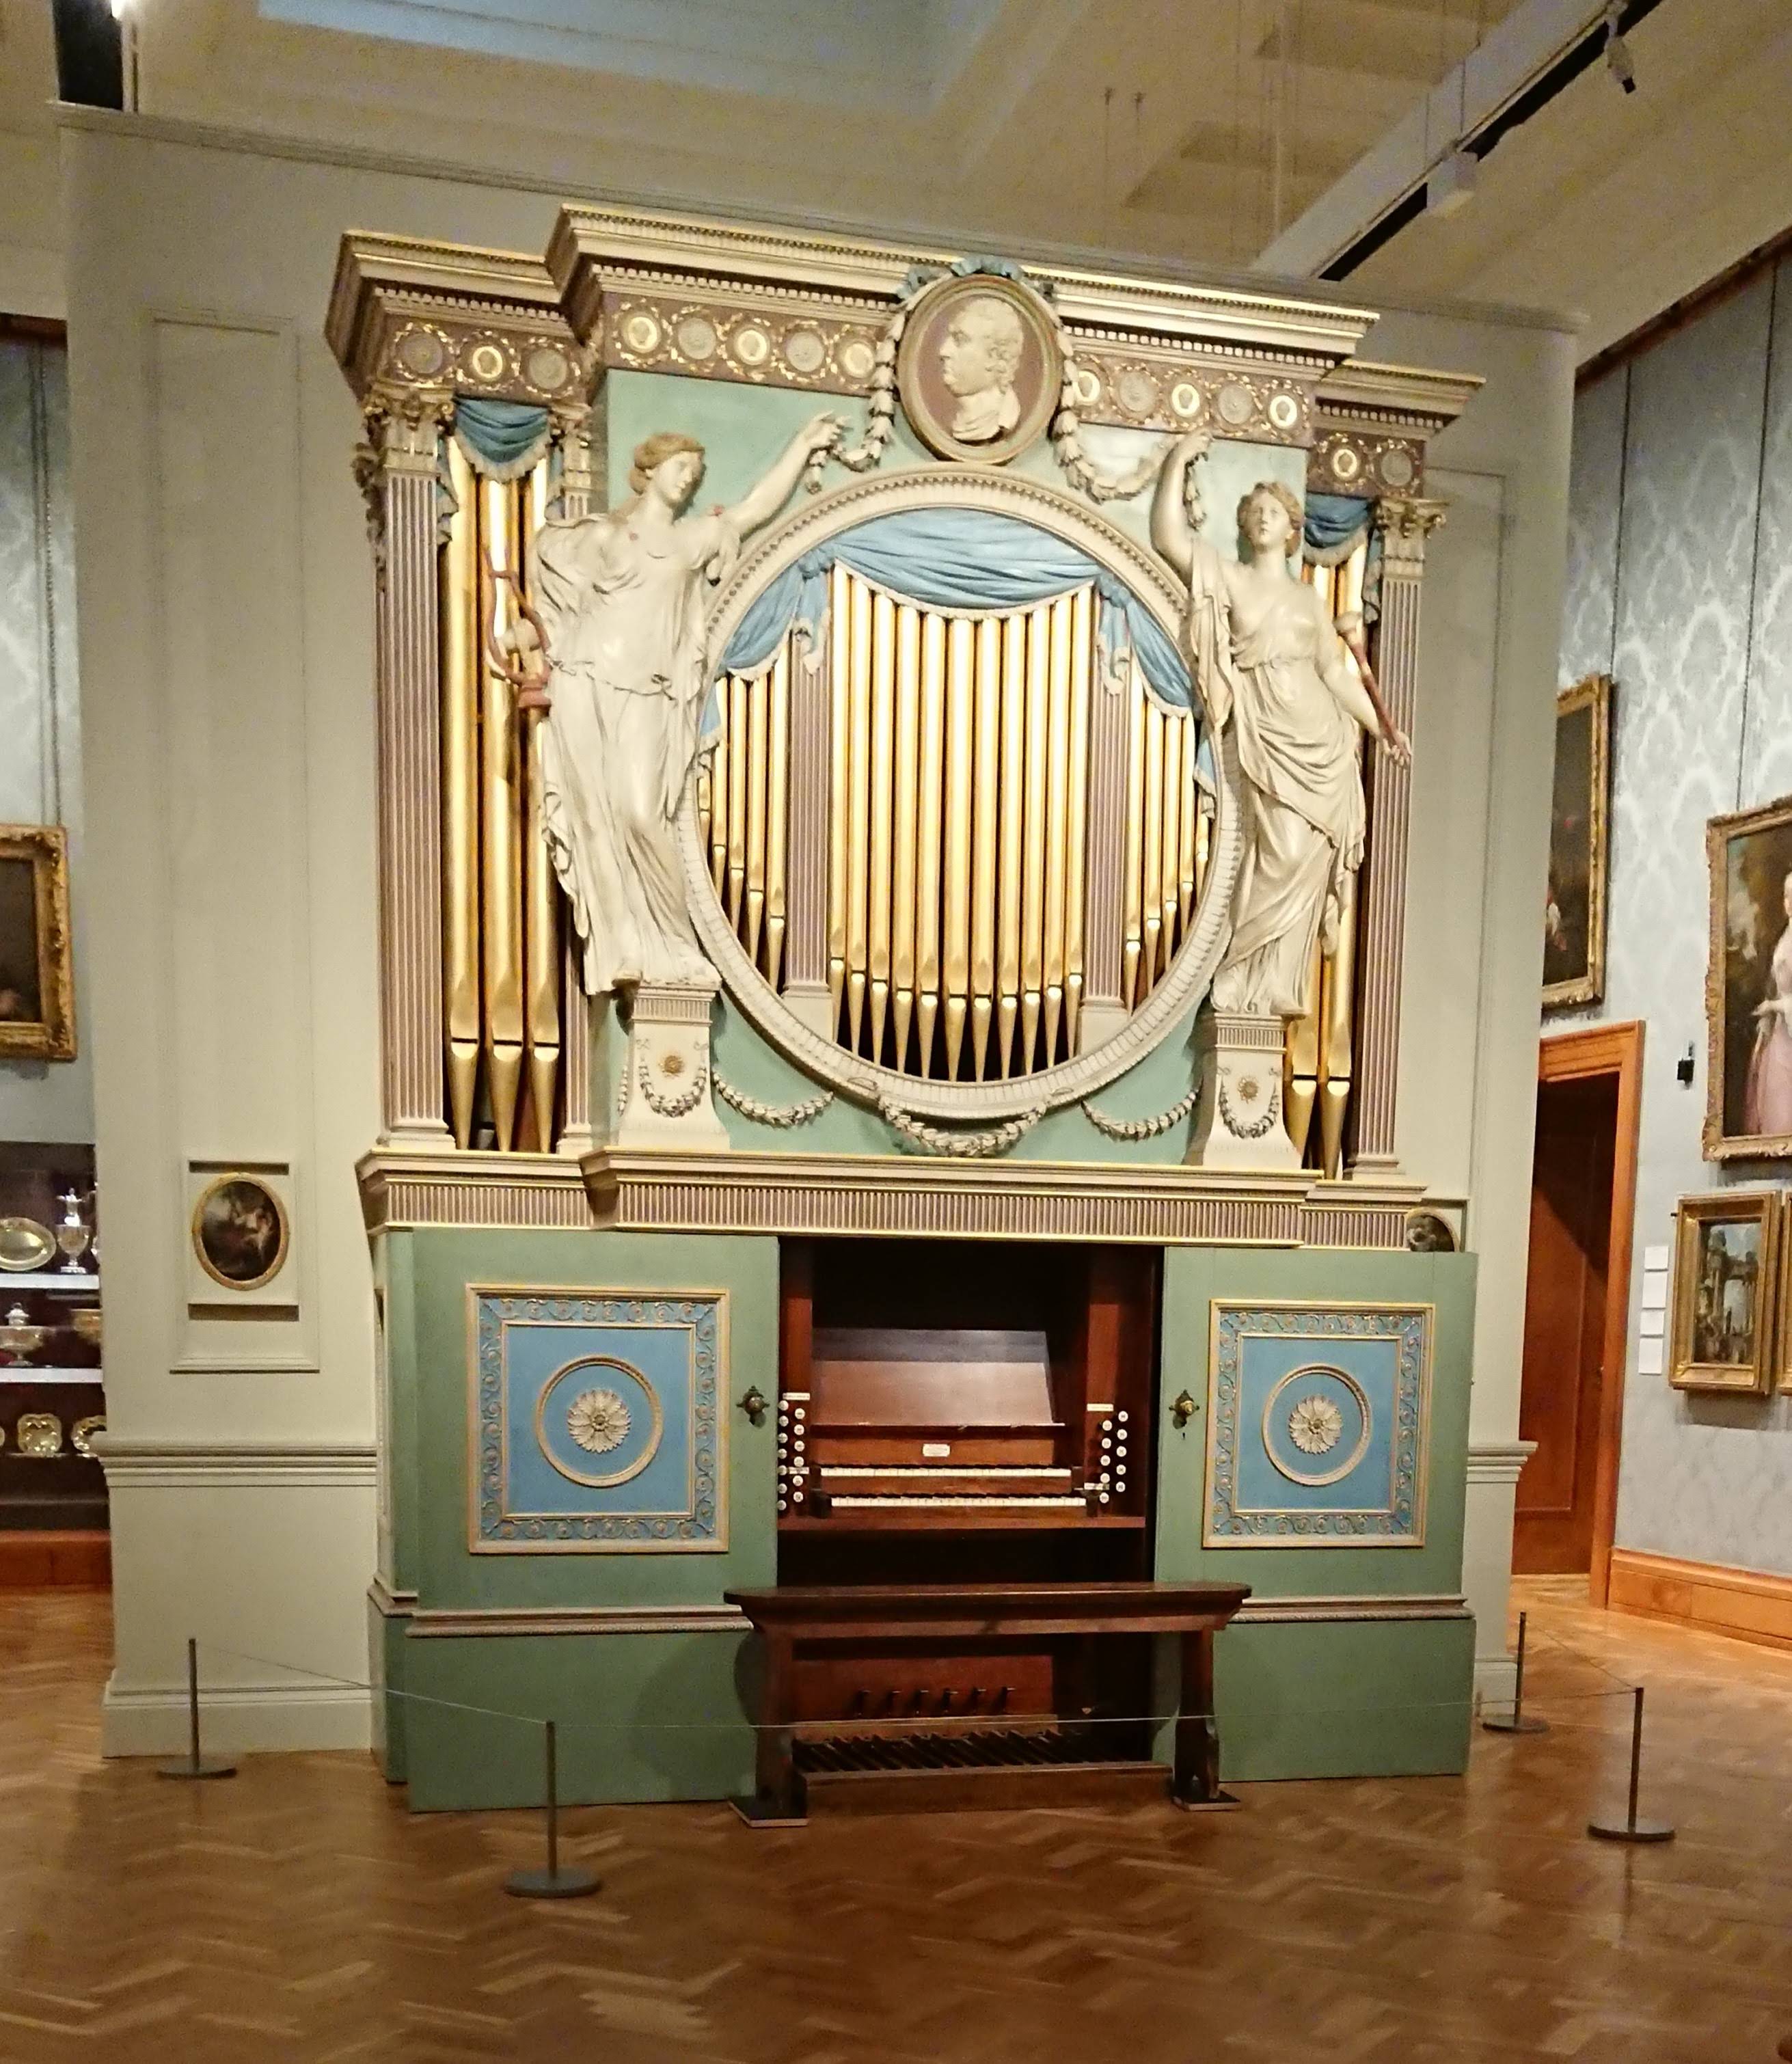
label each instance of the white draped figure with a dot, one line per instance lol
(1269, 663)
(621, 605)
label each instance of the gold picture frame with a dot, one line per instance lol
(1782, 1320)
(239, 1253)
(1580, 837)
(982, 394)
(1748, 1075)
(37, 964)
(1725, 1292)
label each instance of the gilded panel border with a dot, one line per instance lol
(700, 1525)
(1399, 1523)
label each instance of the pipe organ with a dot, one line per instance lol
(897, 1305)
(953, 815)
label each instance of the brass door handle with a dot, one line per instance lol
(1182, 1410)
(755, 1404)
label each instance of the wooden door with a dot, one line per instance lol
(1567, 1311)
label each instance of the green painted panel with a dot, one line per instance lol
(1345, 1699)
(442, 1264)
(638, 1717)
(1193, 1278)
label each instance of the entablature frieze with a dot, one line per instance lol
(743, 1190)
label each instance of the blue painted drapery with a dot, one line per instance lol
(967, 559)
(502, 440)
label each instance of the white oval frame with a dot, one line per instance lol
(966, 1102)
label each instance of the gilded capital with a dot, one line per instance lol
(1404, 523)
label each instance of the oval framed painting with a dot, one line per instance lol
(240, 1231)
(979, 369)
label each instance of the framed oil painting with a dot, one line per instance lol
(37, 972)
(241, 1231)
(1748, 989)
(979, 369)
(1725, 1275)
(1574, 909)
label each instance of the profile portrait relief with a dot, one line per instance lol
(979, 369)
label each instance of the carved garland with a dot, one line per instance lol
(785, 1116)
(680, 1105)
(973, 1146)
(1143, 1128)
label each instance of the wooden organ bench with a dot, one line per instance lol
(966, 1483)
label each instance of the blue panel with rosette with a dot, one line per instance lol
(1317, 1426)
(597, 1423)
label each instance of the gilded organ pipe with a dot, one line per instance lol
(758, 729)
(777, 818)
(1033, 880)
(858, 807)
(961, 647)
(984, 845)
(462, 661)
(540, 892)
(929, 836)
(1013, 841)
(840, 676)
(1151, 855)
(1082, 645)
(883, 807)
(1057, 818)
(902, 875)
(1137, 713)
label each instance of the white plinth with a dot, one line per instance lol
(667, 1100)
(1238, 1120)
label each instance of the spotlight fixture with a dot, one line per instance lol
(1452, 184)
(1617, 51)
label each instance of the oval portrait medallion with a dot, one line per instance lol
(979, 370)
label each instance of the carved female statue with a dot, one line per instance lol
(1269, 663)
(622, 604)
(1767, 1106)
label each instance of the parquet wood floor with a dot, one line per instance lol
(298, 1913)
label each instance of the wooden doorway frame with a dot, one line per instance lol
(1569, 1057)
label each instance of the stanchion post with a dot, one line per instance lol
(1516, 1722)
(1630, 1828)
(553, 1883)
(195, 1765)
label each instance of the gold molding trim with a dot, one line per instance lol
(1260, 1611)
(459, 1624)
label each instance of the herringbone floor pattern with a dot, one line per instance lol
(298, 1914)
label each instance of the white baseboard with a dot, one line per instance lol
(238, 1719)
(1495, 1680)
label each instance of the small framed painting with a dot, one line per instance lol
(241, 1231)
(1748, 985)
(37, 971)
(1725, 1271)
(1574, 908)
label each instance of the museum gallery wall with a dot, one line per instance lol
(235, 641)
(1680, 523)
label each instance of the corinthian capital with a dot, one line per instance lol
(1405, 522)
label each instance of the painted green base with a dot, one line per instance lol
(1345, 1699)
(639, 1717)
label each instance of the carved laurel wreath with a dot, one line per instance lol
(1258, 1127)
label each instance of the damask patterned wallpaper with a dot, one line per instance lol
(40, 744)
(1680, 585)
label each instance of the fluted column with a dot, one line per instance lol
(1404, 525)
(397, 471)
